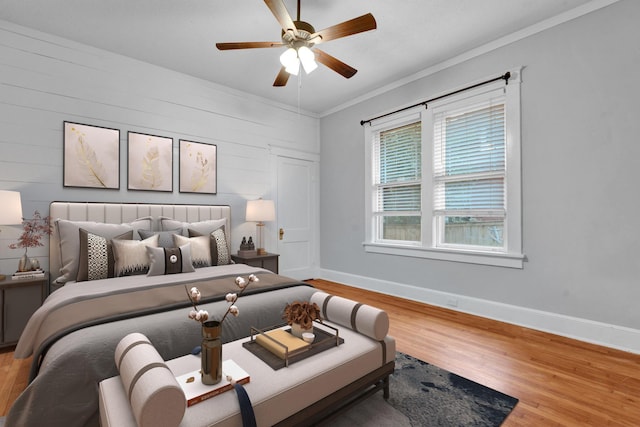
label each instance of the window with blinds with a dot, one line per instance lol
(469, 175)
(444, 182)
(397, 174)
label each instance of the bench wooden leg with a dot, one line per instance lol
(385, 389)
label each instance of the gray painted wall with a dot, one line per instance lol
(45, 80)
(580, 157)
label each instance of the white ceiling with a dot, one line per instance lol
(412, 35)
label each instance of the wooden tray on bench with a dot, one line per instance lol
(323, 341)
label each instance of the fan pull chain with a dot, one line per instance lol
(299, 90)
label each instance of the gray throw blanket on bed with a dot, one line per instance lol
(65, 391)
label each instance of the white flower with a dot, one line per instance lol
(202, 315)
(241, 282)
(193, 314)
(234, 310)
(253, 278)
(195, 294)
(231, 297)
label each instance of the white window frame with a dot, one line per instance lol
(512, 255)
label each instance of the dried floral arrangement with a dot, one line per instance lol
(303, 313)
(34, 230)
(203, 315)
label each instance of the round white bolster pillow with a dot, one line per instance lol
(362, 318)
(155, 396)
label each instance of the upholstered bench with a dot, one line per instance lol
(300, 394)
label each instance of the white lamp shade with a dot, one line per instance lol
(10, 208)
(261, 210)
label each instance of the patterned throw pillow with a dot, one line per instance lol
(96, 255)
(222, 249)
(218, 246)
(170, 260)
(131, 256)
(200, 249)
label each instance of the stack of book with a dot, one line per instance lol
(281, 343)
(33, 274)
(196, 392)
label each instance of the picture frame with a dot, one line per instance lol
(149, 162)
(91, 156)
(198, 167)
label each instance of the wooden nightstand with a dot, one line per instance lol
(18, 300)
(267, 261)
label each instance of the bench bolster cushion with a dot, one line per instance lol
(362, 318)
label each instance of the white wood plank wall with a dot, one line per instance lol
(45, 80)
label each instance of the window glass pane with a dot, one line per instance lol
(477, 231)
(400, 228)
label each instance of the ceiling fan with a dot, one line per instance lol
(300, 37)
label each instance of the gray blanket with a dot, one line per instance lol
(65, 391)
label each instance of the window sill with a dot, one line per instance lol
(471, 257)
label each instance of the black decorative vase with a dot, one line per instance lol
(211, 356)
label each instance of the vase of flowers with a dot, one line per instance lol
(34, 230)
(211, 350)
(300, 316)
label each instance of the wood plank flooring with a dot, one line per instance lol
(559, 381)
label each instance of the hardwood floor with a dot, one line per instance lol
(559, 381)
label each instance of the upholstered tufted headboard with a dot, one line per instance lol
(117, 213)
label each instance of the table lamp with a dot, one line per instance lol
(260, 211)
(10, 210)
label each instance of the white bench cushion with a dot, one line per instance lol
(275, 395)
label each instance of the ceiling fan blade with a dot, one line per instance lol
(281, 13)
(335, 64)
(247, 45)
(282, 78)
(347, 28)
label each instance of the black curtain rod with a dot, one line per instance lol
(506, 76)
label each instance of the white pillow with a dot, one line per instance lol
(200, 249)
(131, 256)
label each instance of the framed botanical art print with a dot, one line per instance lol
(198, 168)
(91, 156)
(150, 162)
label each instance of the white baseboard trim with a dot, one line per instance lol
(613, 336)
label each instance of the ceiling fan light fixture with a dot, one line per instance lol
(288, 57)
(307, 58)
(293, 68)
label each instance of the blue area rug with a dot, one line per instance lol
(423, 395)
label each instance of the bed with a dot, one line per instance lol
(73, 335)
